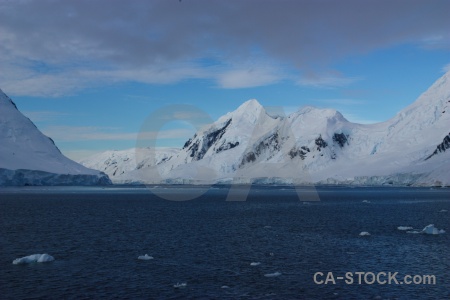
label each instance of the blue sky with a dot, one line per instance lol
(88, 73)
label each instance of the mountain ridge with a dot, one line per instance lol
(315, 145)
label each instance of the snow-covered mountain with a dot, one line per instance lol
(310, 146)
(28, 157)
(116, 163)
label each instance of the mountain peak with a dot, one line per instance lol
(250, 105)
(320, 113)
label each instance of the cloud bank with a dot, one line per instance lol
(49, 48)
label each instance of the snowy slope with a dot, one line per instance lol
(29, 157)
(116, 163)
(314, 146)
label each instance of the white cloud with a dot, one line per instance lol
(329, 79)
(92, 133)
(248, 77)
(343, 101)
(50, 48)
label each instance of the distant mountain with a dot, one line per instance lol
(28, 157)
(116, 163)
(310, 146)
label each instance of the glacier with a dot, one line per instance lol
(28, 157)
(312, 146)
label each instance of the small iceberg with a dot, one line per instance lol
(414, 231)
(365, 201)
(180, 285)
(225, 287)
(254, 264)
(145, 257)
(364, 233)
(273, 274)
(443, 210)
(34, 258)
(430, 229)
(404, 228)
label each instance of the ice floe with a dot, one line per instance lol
(254, 264)
(145, 257)
(365, 201)
(443, 210)
(404, 228)
(180, 285)
(273, 274)
(430, 229)
(34, 258)
(364, 233)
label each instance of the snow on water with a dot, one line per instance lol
(145, 257)
(273, 274)
(414, 231)
(405, 228)
(34, 258)
(364, 233)
(430, 229)
(254, 264)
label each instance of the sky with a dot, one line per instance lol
(89, 73)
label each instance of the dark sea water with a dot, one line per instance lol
(96, 236)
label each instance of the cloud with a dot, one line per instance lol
(92, 133)
(344, 101)
(59, 47)
(328, 79)
(248, 77)
(43, 116)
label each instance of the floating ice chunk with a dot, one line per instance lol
(443, 210)
(145, 257)
(273, 274)
(180, 285)
(442, 231)
(404, 228)
(430, 229)
(414, 231)
(33, 259)
(254, 264)
(225, 287)
(365, 201)
(364, 233)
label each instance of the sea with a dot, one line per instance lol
(273, 242)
